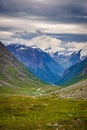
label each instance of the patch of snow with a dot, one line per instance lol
(22, 48)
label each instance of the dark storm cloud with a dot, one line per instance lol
(69, 37)
(24, 35)
(64, 11)
(7, 28)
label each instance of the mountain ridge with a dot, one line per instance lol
(39, 62)
(67, 60)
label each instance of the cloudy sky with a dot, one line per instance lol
(25, 19)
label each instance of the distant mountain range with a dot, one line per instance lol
(51, 45)
(39, 62)
(46, 57)
(45, 64)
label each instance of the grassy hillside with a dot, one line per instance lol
(16, 79)
(76, 91)
(51, 113)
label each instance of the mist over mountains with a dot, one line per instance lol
(50, 44)
(47, 57)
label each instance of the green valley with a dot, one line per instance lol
(26, 103)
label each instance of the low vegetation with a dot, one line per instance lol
(75, 91)
(48, 113)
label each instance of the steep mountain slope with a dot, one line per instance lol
(67, 60)
(74, 74)
(15, 78)
(40, 63)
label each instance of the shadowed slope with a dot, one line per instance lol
(74, 74)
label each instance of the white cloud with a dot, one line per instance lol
(75, 46)
(43, 42)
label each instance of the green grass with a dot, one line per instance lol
(47, 113)
(27, 89)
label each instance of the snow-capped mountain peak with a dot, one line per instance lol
(51, 45)
(46, 43)
(43, 42)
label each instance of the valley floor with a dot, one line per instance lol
(43, 113)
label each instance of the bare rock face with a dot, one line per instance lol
(67, 60)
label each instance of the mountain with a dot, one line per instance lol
(50, 44)
(15, 78)
(39, 62)
(42, 41)
(74, 74)
(65, 53)
(67, 60)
